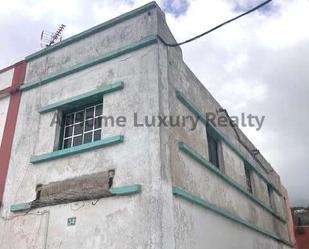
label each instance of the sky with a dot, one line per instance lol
(258, 64)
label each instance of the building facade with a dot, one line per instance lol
(108, 146)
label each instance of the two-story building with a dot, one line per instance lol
(92, 154)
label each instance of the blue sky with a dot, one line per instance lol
(176, 7)
(256, 65)
(243, 6)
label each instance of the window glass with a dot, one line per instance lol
(98, 110)
(97, 135)
(82, 126)
(248, 179)
(270, 195)
(88, 137)
(213, 150)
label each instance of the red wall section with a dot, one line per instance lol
(302, 240)
(10, 123)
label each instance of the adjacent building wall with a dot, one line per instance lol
(6, 77)
(10, 79)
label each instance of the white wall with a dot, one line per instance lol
(4, 104)
(6, 78)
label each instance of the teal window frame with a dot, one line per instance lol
(75, 103)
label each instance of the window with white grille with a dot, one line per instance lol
(82, 126)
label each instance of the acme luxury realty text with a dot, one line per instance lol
(189, 121)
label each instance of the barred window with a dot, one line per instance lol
(82, 126)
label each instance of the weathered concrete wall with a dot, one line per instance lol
(233, 165)
(137, 221)
(120, 35)
(260, 189)
(194, 178)
(27, 232)
(197, 228)
(137, 160)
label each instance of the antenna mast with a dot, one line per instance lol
(48, 38)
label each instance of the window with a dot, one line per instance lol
(82, 126)
(248, 179)
(270, 195)
(213, 150)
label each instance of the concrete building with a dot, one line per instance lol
(71, 181)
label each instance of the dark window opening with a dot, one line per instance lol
(111, 174)
(270, 195)
(38, 190)
(248, 179)
(213, 150)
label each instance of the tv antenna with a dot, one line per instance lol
(49, 38)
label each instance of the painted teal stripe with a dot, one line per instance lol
(118, 191)
(177, 191)
(83, 99)
(77, 149)
(20, 207)
(93, 30)
(149, 40)
(203, 161)
(219, 135)
(126, 190)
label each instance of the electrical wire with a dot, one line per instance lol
(23, 214)
(218, 26)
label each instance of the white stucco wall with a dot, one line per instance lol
(4, 104)
(198, 228)
(117, 222)
(6, 78)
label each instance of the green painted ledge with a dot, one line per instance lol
(219, 135)
(93, 30)
(83, 99)
(177, 191)
(20, 207)
(116, 191)
(126, 190)
(77, 149)
(149, 40)
(203, 161)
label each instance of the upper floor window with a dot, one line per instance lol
(213, 150)
(269, 189)
(248, 179)
(82, 126)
